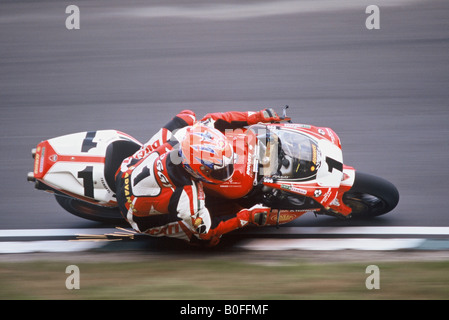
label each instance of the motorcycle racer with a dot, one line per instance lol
(160, 187)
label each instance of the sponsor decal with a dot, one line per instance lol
(143, 152)
(128, 195)
(249, 164)
(298, 190)
(326, 195)
(105, 186)
(36, 163)
(53, 157)
(335, 202)
(297, 125)
(314, 154)
(284, 217)
(331, 135)
(164, 180)
(41, 162)
(286, 186)
(169, 229)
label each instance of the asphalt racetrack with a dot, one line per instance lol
(132, 65)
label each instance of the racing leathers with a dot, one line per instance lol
(157, 196)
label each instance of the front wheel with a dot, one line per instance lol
(370, 196)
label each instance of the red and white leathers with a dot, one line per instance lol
(158, 197)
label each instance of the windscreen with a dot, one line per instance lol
(287, 154)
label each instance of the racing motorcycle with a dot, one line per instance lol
(293, 168)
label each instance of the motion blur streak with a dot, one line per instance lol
(252, 10)
(132, 65)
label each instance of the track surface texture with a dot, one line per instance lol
(133, 65)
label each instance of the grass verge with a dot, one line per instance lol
(222, 279)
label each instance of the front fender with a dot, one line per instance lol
(345, 185)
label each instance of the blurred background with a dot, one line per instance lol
(132, 65)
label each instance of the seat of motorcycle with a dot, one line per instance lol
(116, 152)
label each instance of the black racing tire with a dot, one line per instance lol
(89, 211)
(370, 196)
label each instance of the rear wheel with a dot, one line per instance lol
(371, 196)
(89, 211)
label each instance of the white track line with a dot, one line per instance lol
(330, 244)
(443, 231)
(48, 246)
(10, 233)
(362, 242)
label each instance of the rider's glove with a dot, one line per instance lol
(257, 215)
(266, 116)
(188, 116)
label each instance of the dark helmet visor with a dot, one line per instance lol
(224, 173)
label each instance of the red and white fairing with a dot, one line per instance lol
(74, 164)
(332, 179)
